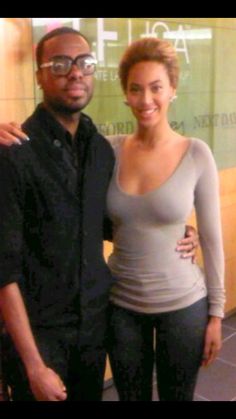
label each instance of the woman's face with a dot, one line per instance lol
(149, 92)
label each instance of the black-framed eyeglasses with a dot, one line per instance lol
(61, 65)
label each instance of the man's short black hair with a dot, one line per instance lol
(55, 32)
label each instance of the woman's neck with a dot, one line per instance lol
(151, 137)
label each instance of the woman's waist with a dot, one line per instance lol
(164, 272)
(151, 260)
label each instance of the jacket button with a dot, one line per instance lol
(69, 182)
(85, 233)
(85, 262)
(57, 143)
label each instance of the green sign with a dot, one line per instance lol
(206, 103)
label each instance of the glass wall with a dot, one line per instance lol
(206, 103)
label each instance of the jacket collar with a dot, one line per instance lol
(86, 128)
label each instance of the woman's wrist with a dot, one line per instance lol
(215, 319)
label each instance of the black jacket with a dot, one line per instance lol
(51, 222)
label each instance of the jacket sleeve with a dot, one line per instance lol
(11, 221)
(107, 229)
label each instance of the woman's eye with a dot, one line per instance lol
(134, 89)
(156, 88)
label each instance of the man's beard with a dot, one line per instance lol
(66, 109)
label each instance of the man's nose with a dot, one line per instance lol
(75, 71)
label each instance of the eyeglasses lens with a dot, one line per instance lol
(63, 65)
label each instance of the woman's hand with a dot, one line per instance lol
(189, 244)
(11, 133)
(213, 341)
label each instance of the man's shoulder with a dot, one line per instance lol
(14, 157)
(100, 140)
(105, 148)
(17, 154)
(32, 126)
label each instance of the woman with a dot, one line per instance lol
(11, 133)
(163, 309)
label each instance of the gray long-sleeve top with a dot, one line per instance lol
(151, 275)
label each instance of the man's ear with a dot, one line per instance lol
(38, 78)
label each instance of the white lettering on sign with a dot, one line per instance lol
(102, 36)
(157, 29)
(152, 31)
(181, 39)
(166, 33)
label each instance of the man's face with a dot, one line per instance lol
(70, 93)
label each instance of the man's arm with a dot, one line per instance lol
(45, 384)
(107, 229)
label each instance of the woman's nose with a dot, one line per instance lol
(146, 97)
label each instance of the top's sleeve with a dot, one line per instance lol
(207, 205)
(11, 222)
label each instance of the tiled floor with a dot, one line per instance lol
(216, 382)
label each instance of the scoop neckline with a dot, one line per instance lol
(182, 160)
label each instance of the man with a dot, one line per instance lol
(54, 281)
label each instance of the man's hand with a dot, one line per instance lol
(46, 385)
(189, 244)
(12, 133)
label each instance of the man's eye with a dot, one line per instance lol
(58, 65)
(87, 64)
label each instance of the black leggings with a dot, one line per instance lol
(178, 351)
